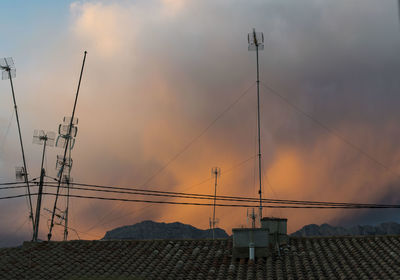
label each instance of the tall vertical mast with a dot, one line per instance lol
(47, 139)
(256, 42)
(64, 161)
(8, 72)
(216, 172)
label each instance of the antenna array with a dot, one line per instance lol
(8, 72)
(8, 68)
(40, 137)
(20, 173)
(66, 139)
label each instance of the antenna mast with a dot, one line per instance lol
(9, 72)
(256, 42)
(47, 139)
(67, 139)
(215, 171)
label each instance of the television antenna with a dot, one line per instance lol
(253, 216)
(68, 137)
(256, 43)
(67, 133)
(8, 71)
(216, 172)
(40, 137)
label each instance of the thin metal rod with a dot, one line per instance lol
(40, 192)
(215, 198)
(67, 207)
(66, 149)
(22, 150)
(259, 130)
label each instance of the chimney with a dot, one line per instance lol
(259, 242)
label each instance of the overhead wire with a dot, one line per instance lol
(394, 206)
(191, 142)
(329, 130)
(219, 197)
(190, 187)
(318, 205)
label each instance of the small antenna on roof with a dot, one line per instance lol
(253, 216)
(40, 137)
(8, 72)
(216, 172)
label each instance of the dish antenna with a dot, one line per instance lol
(40, 137)
(8, 72)
(256, 43)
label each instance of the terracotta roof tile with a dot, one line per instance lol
(301, 258)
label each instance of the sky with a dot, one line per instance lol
(159, 72)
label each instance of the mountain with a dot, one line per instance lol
(154, 230)
(328, 230)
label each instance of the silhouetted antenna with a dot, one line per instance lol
(8, 68)
(66, 179)
(20, 173)
(8, 72)
(59, 214)
(216, 172)
(67, 133)
(256, 42)
(41, 137)
(253, 216)
(67, 146)
(63, 164)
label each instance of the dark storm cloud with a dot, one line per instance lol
(157, 75)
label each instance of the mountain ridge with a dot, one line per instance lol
(154, 230)
(325, 229)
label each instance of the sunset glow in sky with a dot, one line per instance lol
(159, 72)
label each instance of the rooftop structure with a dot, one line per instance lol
(366, 257)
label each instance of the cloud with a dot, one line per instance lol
(159, 72)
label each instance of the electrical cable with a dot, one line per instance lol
(229, 198)
(228, 108)
(329, 130)
(228, 205)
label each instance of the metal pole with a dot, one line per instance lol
(40, 192)
(65, 151)
(67, 208)
(215, 198)
(259, 132)
(22, 150)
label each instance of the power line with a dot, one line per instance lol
(228, 108)
(192, 186)
(14, 196)
(229, 205)
(353, 206)
(221, 198)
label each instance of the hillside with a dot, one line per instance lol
(328, 230)
(153, 230)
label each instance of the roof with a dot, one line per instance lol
(372, 257)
